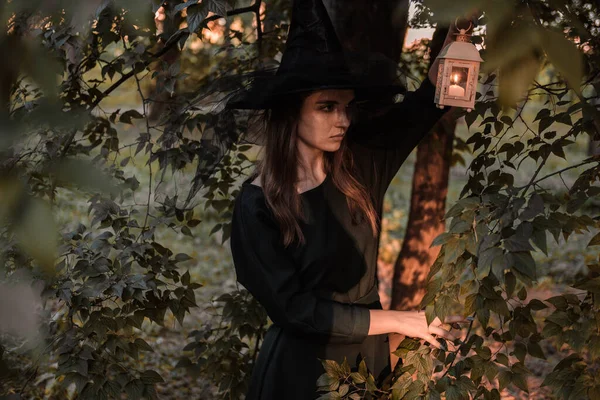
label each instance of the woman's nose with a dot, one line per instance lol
(344, 118)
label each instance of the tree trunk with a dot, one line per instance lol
(378, 26)
(367, 25)
(427, 207)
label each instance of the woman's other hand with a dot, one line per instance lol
(414, 324)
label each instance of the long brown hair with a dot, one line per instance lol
(278, 172)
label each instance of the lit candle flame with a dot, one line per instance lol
(455, 78)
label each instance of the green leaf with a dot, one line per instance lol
(185, 278)
(180, 257)
(471, 117)
(343, 390)
(150, 377)
(442, 307)
(490, 258)
(524, 263)
(196, 14)
(591, 285)
(536, 305)
(552, 330)
(561, 318)
(499, 306)
(328, 382)
(557, 150)
(79, 380)
(471, 303)
(141, 344)
(357, 378)
(595, 240)
(520, 381)
(362, 369)
(534, 349)
(560, 302)
(453, 249)
(544, 124)
(501, 358)
(459, 226)
(484, 352)
(134, 389)
(215, 229)
(510, 282)
(515, 78)
(504, 378)
(429, 314)
(453, 393)
(441, 239)
(128, 115)
(538, 237)
(522, 294)
(544, 112)
(491, 371)
(447, 12)
(535, 206)
(594, 346)
(219, 7)
(400, 387)
(186, 231)
(515, 243)
(184, 5)
(564, 55)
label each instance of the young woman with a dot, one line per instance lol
(305, 227)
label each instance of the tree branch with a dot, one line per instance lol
(532, 182)
(172, 41)
(175, 39)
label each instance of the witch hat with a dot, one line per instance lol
(314, 59)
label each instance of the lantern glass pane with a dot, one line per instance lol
(459, 78)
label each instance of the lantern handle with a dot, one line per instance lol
(465, 30)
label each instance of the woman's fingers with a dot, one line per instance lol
(432, 340)
(442, 332)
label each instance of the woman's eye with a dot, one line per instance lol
(327, 108)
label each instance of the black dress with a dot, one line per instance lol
(319, 295)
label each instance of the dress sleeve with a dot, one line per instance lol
(265, 268)
(380, 144)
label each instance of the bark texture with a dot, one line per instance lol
(427, 207)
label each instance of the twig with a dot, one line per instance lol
(532, 182)
(465, 341)
(149, 160)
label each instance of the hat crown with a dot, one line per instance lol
(311, 33)
(312, 28)
(314, 59)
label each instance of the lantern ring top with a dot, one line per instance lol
(463, 31)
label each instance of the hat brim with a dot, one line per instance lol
(370, 75)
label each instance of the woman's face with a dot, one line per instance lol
(324, 119)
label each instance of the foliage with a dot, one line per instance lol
(107, 279)
(220, 352)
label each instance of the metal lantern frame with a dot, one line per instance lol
(459, 63)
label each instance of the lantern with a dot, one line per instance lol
(458, 73)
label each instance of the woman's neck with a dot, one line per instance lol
(311, 167)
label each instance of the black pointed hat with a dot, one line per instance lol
(314, 59)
